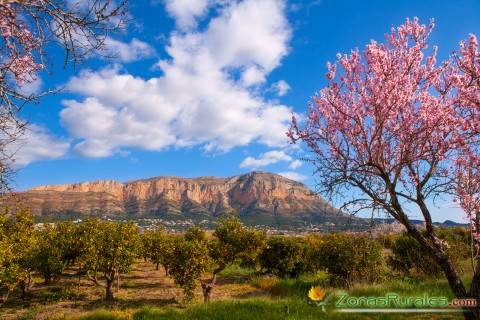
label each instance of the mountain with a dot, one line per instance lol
(258, 197)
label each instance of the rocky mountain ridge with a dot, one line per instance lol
(253, 195)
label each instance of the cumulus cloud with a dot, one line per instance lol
(295, 164)
(186, 12)
(292, 175)
(265, 159)
(281, 87)
(270, 157)
(36, 144)
(198, 100)
(128, 51)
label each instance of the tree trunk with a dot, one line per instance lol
(207, 291)
(207, 288)
(47, 279)
(4, 297)
(454, 280)
(109, 292)
(475, 290)
(110, 278)
(157, 266)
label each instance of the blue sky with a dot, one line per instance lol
(205, 87)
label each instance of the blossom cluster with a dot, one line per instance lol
(392, 115)
(18, 47)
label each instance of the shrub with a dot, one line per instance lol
(409, 258)
(284, 256)
(349, 258)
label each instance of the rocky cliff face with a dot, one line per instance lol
(250, 195)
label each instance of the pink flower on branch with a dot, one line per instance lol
(393, 122)
(19, 47)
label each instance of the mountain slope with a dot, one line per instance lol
(256, 195)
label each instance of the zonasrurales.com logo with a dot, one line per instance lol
(341, 301)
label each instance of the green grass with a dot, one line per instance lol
(235, 270)
(255, 309)
(239, 310)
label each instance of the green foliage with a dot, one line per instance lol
(189, 260)
(69, 241)
(235, 242)
(109, 249)
(158, 247)
(195, 234)
(47, 256)
(409, 258)
(284, 256)
(349, 258)
(17, 243)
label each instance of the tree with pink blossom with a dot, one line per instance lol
(398, 129)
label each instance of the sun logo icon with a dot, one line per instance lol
(318, 296)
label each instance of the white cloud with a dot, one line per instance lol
(186, 12)
(252, 76)
(36, 144)
(265, 159)
(197, 100)
(295, 164)
(281, 87)
(292, 175)
(128, 52)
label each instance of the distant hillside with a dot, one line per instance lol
(257, 197)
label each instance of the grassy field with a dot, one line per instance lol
(147, 294)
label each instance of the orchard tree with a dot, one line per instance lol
(234, 242)
(17, 243)
(110, 249)
(47, 256)
(156, 246)
(398, 130)
(28, 31)
(284, 257)
(188, 262)
(69, 241)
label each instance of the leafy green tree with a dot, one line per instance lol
(109, 249)
(195, 233)
(69, 241)
(158, 246)
(189, 260)
(284, 256)
(349, 258)
(17, 243)
(47, 256)
(234, 242)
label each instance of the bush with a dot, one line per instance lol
(409, 258)
(349, 258)
(284, 257)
